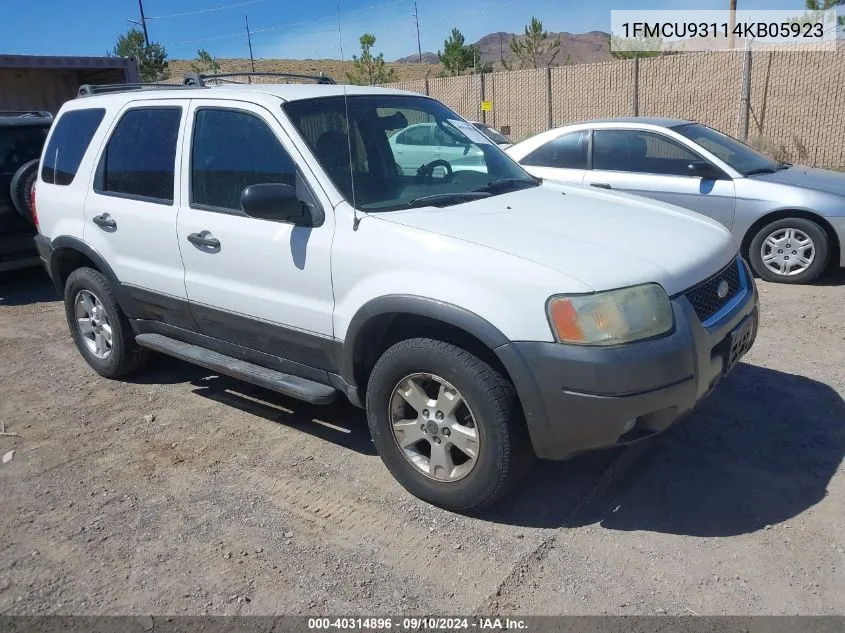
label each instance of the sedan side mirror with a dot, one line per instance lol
(279, 202)
(703, 169)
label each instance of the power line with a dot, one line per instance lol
(283, 26)
(209, 10)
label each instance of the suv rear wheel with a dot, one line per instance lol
(98, 326)
(446, 424)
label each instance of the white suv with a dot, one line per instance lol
(479, 315)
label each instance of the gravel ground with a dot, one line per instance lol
(181, 492)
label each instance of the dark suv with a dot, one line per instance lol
(22, 135)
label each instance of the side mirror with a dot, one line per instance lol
(276, 201)
(703, 169)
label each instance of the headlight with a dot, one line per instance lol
(611, 317)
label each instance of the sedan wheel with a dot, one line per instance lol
(788, 251)
(434, 427)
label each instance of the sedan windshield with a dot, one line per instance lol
(740, 156)
(494, 135)
(388, 152)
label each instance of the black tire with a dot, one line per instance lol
(21, 188)
(505, 452)
(821, 244)
(126, 355)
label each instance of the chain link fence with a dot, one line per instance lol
(787, 103)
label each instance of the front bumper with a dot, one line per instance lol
(578, 398)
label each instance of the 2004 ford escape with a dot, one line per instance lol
(480, 316)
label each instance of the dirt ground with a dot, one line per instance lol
(233, 499)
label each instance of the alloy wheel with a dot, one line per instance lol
(93, 324)
(434, 427)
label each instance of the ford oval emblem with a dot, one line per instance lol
(722, 289)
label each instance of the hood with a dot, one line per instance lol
(807, 177)
(604, 240)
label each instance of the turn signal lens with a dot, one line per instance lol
(612, 317)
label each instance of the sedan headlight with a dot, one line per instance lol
(611, 317)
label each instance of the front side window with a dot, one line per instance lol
(565, 152)
(231, 150)
(740, 156)
(640, 152)
(140, 157)
(376, 169)
(72, 134)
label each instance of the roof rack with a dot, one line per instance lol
(194, 80)
(200, 79)
(86, 90)
(41, 114)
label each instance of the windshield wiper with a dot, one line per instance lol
(445, 199)
(784, 165)
(760, 170)
(509, 183)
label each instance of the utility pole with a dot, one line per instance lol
(249, 40)
(732, 24)
(144, 22)
(417, 19)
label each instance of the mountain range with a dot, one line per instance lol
(581, 48)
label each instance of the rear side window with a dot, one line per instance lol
(566, 152)
(72, 134)
(140, 158)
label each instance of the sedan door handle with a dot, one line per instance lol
(601, 185)
(204, 238)
(105, 222)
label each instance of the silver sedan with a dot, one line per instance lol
(789, 220)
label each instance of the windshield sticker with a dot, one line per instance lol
(470, 131)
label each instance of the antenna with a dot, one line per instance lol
(249, 41)
(355, 219)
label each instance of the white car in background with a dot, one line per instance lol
(414, 147)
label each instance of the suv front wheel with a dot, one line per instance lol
(98, 326)
(446, 424)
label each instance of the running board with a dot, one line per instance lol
(293, 386)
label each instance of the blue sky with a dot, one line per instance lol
(301, 29)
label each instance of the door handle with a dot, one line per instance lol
(204, 238)
(105, 222)
(601, 185)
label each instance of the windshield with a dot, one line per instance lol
(740, 156)
(398, 151)
(493, 135)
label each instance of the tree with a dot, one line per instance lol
(536, 46)
(370, 70)
(825, 5)
(205, 62)
(457, 56)
(630, 47)
(152, 59)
